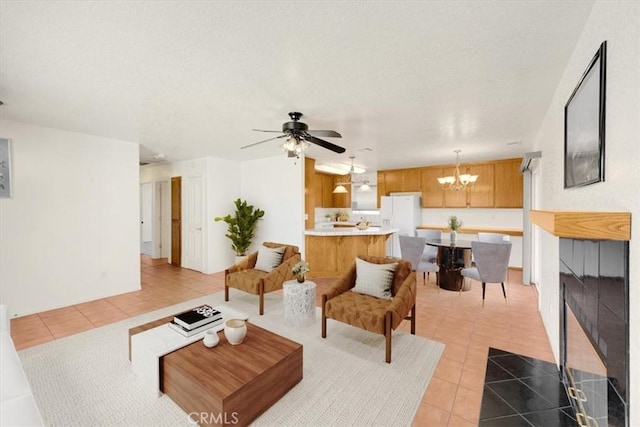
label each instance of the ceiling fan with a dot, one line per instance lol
(299, 136)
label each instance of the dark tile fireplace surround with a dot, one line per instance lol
(594, 332)
(591, 389)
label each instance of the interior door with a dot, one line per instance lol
(176, 221)
(146, 208)
(194, 220)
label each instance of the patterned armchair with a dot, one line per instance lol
(244, 277)
(372, 314)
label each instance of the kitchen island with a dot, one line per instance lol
(330, 252)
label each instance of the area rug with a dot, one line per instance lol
(86, 379)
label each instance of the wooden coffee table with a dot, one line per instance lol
(229, 384)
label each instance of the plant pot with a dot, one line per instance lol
(240, 258)
(300, 278)
(452, 236)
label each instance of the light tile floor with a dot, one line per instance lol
(460, 321)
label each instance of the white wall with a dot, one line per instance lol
(616, 22)
(71, 231)
(276, 185)
(221, 180)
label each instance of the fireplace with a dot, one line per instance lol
(594, 333)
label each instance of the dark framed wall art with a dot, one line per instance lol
(584, 125)
(5, 168)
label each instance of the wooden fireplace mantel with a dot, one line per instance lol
(584, 225)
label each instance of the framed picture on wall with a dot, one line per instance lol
(5, 168)
(584, 126)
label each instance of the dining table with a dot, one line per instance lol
(451, 259)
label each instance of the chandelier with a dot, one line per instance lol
(294, 147)
(457, 181)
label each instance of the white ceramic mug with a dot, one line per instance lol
(211, 338)
(235, 331)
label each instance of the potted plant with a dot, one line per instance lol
(241, 226)
(299, 270)
(454, 224)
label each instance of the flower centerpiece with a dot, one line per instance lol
(454, 224)
(299, 270)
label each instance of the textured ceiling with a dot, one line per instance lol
(412, 81)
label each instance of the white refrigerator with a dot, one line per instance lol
(402, 212)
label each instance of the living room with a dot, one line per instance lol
(70, 231)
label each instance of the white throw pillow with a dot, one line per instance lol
(374, 279)
(269, 258)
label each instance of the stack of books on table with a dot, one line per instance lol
(196, 320)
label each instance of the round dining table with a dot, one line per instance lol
(451, 259)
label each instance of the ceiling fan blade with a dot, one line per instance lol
(262, 130)
(324, 144)
(260, 142)
(325, 133)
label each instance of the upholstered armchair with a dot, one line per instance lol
(378, 315)
(245, 277)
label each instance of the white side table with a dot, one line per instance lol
(299, 303)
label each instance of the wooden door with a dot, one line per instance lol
(176, 221)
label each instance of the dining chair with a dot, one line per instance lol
(412, 249)
(492, 264)
(430, 253)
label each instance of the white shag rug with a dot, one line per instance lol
(86, 379)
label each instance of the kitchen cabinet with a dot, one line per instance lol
(410, 180)
(327, 190)
(482, 193)
(499, 185)
(309, 192)
(508, 184)
(432, 193)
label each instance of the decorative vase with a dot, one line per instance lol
(211, 338)
(300, 278)
(235, 330)
(452, 237)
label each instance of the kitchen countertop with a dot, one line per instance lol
(376, 231)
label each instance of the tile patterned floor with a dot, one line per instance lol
(468, 329)
(521, 391)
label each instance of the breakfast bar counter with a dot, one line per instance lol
(330, 252)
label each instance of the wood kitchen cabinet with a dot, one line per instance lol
(482, 193)
(499, 185)
(309, 192)
(508, 184)
(432, 193)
